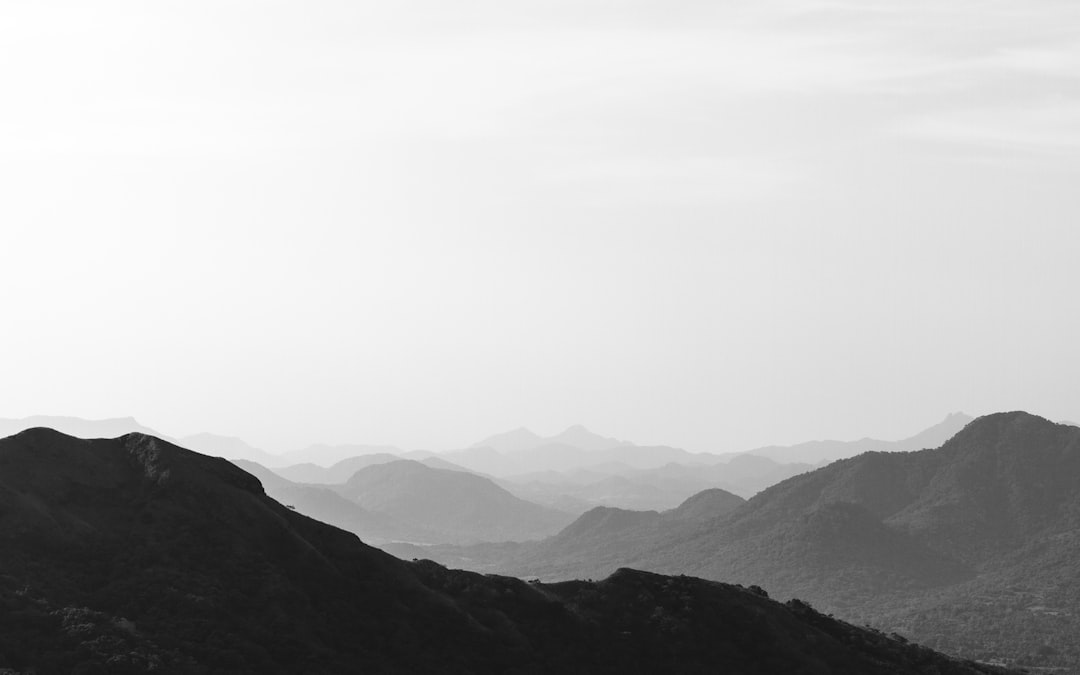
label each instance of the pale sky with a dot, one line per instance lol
(714, 225)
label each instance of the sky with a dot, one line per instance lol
(715, 225)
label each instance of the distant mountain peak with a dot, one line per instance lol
(580, 437)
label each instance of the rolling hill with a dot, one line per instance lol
(599, 539)
(326, 505)
(461, 507)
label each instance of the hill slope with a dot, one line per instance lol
(462, 506)
(325, 505)
(131, 555)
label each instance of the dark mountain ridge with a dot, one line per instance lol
(133, 555)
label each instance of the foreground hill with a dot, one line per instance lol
(132, 555)
(974, 546)
(462, 507)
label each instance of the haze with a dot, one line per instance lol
(711, 225)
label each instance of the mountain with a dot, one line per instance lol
(553, 456)
(579, 437)
(828, 451)
(132, 555)
(327, 455)
(707, 504)
(660, 488)
(323, 504)
(336, 473)
(973, 546)
(228, 447)
(440, 463)
(511, 441)
(76, 426)
(610, 533)
(523, 440)
(344, 470)
(462, 506)
(598, 539)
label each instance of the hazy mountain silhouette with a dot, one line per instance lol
(988, 523)
(328, 455)
(335, 473)
(326, 505)
(133, 555)
(461, 506)
(600, 538)
(660, 488)
(342, 471)
(523, 440)
(76, 426)
(228, 447)
(511, 441)
(566, 457)
(520, 452)
(827, 451)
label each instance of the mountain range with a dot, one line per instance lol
(132, 555)
(815, 452)
(343, 470)
(971, 547)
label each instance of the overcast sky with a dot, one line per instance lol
(708, 224)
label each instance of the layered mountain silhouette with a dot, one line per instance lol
(324, 504)
(229, 447)
(967, 546)
(133, 555)
(462, 507)
(660, 488)
(344, 470)
(602, 537)
(828, 451)
(110, 427)
(328, 455)
(523, 440)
